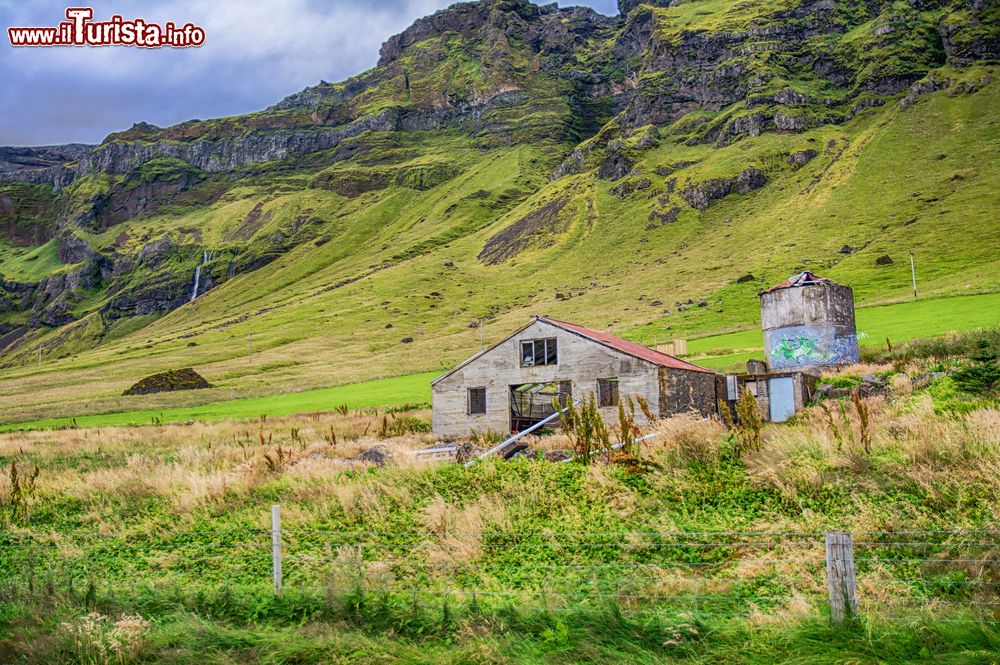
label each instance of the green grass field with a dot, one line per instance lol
(706, 553)
(410, 389)
(899, 323)
(29, 264)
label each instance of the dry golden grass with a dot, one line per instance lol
(191, 465)
(685, 438)
(858, 369)
(906, 437)
(456, 531)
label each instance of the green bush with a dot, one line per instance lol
(982, 376)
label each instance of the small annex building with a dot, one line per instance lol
(808, 326)
(512, 385)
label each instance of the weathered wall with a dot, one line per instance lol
(805, 387)
(682, 391)
(809, 326)
(581, 361)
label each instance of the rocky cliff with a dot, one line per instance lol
(592, 93)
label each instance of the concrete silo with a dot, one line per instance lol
(808, 321)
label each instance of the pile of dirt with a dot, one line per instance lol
(175, 379)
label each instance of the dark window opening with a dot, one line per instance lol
(477, 400)
(536, 352)
(532, 402)
(607, 392)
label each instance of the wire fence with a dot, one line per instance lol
(894, 575)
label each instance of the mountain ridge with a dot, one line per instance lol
(662, 144)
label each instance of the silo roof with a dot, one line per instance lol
(804, 278)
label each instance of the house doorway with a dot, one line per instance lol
(531, 403)
(781, 397)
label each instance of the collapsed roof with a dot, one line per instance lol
(804, 278)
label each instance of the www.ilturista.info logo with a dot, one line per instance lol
(80, 30)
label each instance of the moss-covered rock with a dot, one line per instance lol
(175, 379)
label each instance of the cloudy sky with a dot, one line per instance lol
(255, 53)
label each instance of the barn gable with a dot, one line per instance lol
(619, 344)
(514, 382)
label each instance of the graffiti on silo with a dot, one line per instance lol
(845, 350)
(798, 346)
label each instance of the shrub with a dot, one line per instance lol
(21, 492)
(486, 438)
(392, 425)
(983, 375)
(746, 425)
(983, 378)
(586, 428)
(970, 344)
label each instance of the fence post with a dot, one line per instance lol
(840, 576)
(276, 546)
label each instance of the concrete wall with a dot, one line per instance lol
(581, 361)
(809, 326)
(682, 391)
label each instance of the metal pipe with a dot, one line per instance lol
(436, 450)
(517, 436)
(617, 445)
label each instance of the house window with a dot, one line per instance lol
(732, 388)
(536, 352)
(607, 392)
(477, 400)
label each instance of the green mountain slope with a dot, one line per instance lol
(504, 160)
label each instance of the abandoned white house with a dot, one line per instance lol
(512, 384)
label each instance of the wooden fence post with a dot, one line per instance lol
(840, 576)
(276, 546)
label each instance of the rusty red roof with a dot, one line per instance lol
(804, 278)
(631, 348)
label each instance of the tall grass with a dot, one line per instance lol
(355, 626)
(153, 506)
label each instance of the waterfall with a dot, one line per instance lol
(206, 256)
(197, 278)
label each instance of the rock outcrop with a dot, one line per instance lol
(701, 195)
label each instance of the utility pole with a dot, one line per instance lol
(913, 274)
(39, 357)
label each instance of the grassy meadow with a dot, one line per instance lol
(877, 326)
(901, 322)
(404, 263)
(410, 389)
(152, 544)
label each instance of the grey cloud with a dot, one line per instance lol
(254, 55)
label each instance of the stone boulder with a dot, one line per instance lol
(701, 195)
(802, 157)
(467, 451)
(378, 455)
